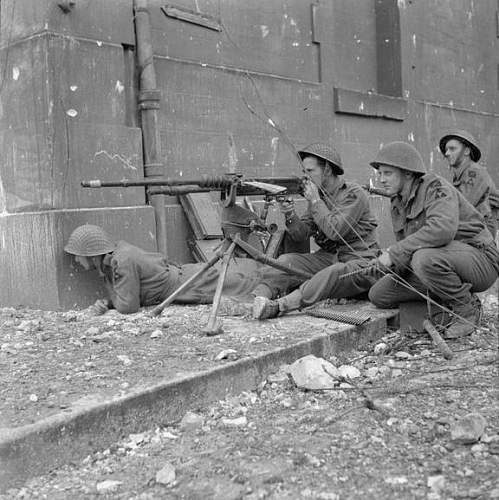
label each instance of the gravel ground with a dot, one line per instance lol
(386, 435)
(51, 360)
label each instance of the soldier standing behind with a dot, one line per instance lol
(462, 153)
(443, 246)
(339, 218)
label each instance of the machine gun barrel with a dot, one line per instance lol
(213, 183)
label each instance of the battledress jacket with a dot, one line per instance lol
(340, 222)
(475, 183)
(433, 215)
(135, 278)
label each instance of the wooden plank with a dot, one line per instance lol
(202, 215)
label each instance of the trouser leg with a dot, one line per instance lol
(454, 271)
(243, 275)
(390, 290)
(279, 282)
(328, 284)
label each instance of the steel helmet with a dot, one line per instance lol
(88, 241)
(400, 155)
(326, 152)
(466, 138)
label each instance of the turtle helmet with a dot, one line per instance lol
(89, 241)
(400, 155)
(326, 152)
(464, 137)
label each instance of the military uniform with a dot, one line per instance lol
(473, 180)
(137, 278)
(475, 183)
(443, 247)
(343, 227)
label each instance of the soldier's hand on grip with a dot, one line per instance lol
(286, 205)
(310, 191)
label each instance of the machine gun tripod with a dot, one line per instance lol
(225, 253)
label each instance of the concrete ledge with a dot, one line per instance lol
(95, 424)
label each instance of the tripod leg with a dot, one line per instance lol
(213, 327)
(159, 308)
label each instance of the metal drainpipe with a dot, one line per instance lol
(149, 103)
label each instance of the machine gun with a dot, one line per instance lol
(237, 222)
(230, 186)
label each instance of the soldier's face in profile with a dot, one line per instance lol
(314, 169)
(391, 178)
(455, 152)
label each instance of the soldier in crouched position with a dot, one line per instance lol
(340, 220)
(134, 277)
(443, 247)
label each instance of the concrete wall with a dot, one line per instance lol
(358, 73)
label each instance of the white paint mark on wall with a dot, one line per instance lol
(73, 88)
(15, 73)
(119, 87)
(233, 159)
(410, 136)
(72, 112)
(3, 204)
(274, 144)
(127, 162)
(265, 30)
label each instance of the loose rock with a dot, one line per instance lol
(108, 486)
(191, 421)
(309, 372)
(348, 371)
(381, 348)
(230, 354)
(166, 475)
(468, 429)
(235, 422)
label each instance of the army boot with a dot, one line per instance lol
(466, 319)
(264, 308)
